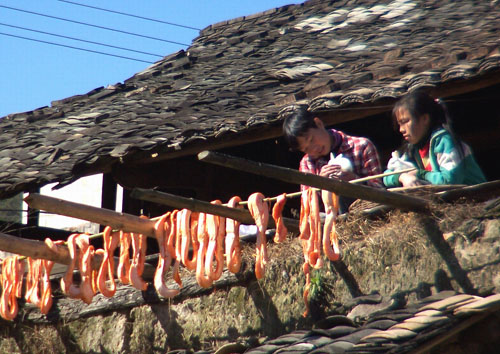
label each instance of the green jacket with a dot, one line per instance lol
(448, 166)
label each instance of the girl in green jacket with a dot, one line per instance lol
(438, 155)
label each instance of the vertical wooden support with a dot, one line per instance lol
(108, 194)
(131, 205)
(108, 197)
(33, 214)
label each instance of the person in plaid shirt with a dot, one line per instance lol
(329, 152)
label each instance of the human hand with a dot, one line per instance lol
(410, 179)
(335, 171)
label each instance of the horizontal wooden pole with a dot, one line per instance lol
(333, 185)
(486, 190)
(39, 250)
(241, 215)
(105, 217)
(381, 175)
(34, 249)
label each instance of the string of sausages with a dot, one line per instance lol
(210, 237)
(313, 237)
(214, 241)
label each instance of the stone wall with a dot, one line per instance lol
(392, 257)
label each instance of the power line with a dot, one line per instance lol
(91, 25)
(81, 40)
(82, 49)
(125, 14)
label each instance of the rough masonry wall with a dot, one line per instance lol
(392, 257)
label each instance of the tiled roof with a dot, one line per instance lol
(389, 328)
(237, 75)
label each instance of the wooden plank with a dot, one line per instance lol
(482, 191)
(192, 204)
(33, 249)
(337, 186)
(33, 214)
(39, 250)
(118, 221)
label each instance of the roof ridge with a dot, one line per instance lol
(218, 25)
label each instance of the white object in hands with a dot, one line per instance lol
(396, 163)
(344, 163)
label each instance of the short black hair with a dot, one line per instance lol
(296, 124)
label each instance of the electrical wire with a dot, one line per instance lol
(130, 15)
(82, 49)
(95, 26)
(80, 40)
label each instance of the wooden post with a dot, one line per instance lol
(337, 186)
(192, 204)
(108, 195)
(39, 250)
(119, 221)
(33, 215)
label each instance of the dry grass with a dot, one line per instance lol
(371, 243)
(452, 216)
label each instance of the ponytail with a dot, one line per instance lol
(448, 125)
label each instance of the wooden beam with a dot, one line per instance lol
(337, 186)
(119, 221)
(192, 204)
(39, 250)
(109, 188)
(482, 191)
(460, 87)
(34, 249)
(33, 214)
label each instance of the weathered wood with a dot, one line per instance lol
(192, 204)
(39, 250)
(119, 221)
(34, 249)
(381, 175)
(480, 191)
(337, 186)
(357, 180)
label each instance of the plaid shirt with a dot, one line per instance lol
(360, 151)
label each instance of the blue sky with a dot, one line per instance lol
(33, 73)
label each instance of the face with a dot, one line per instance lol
(316, 142)
(412, 129)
